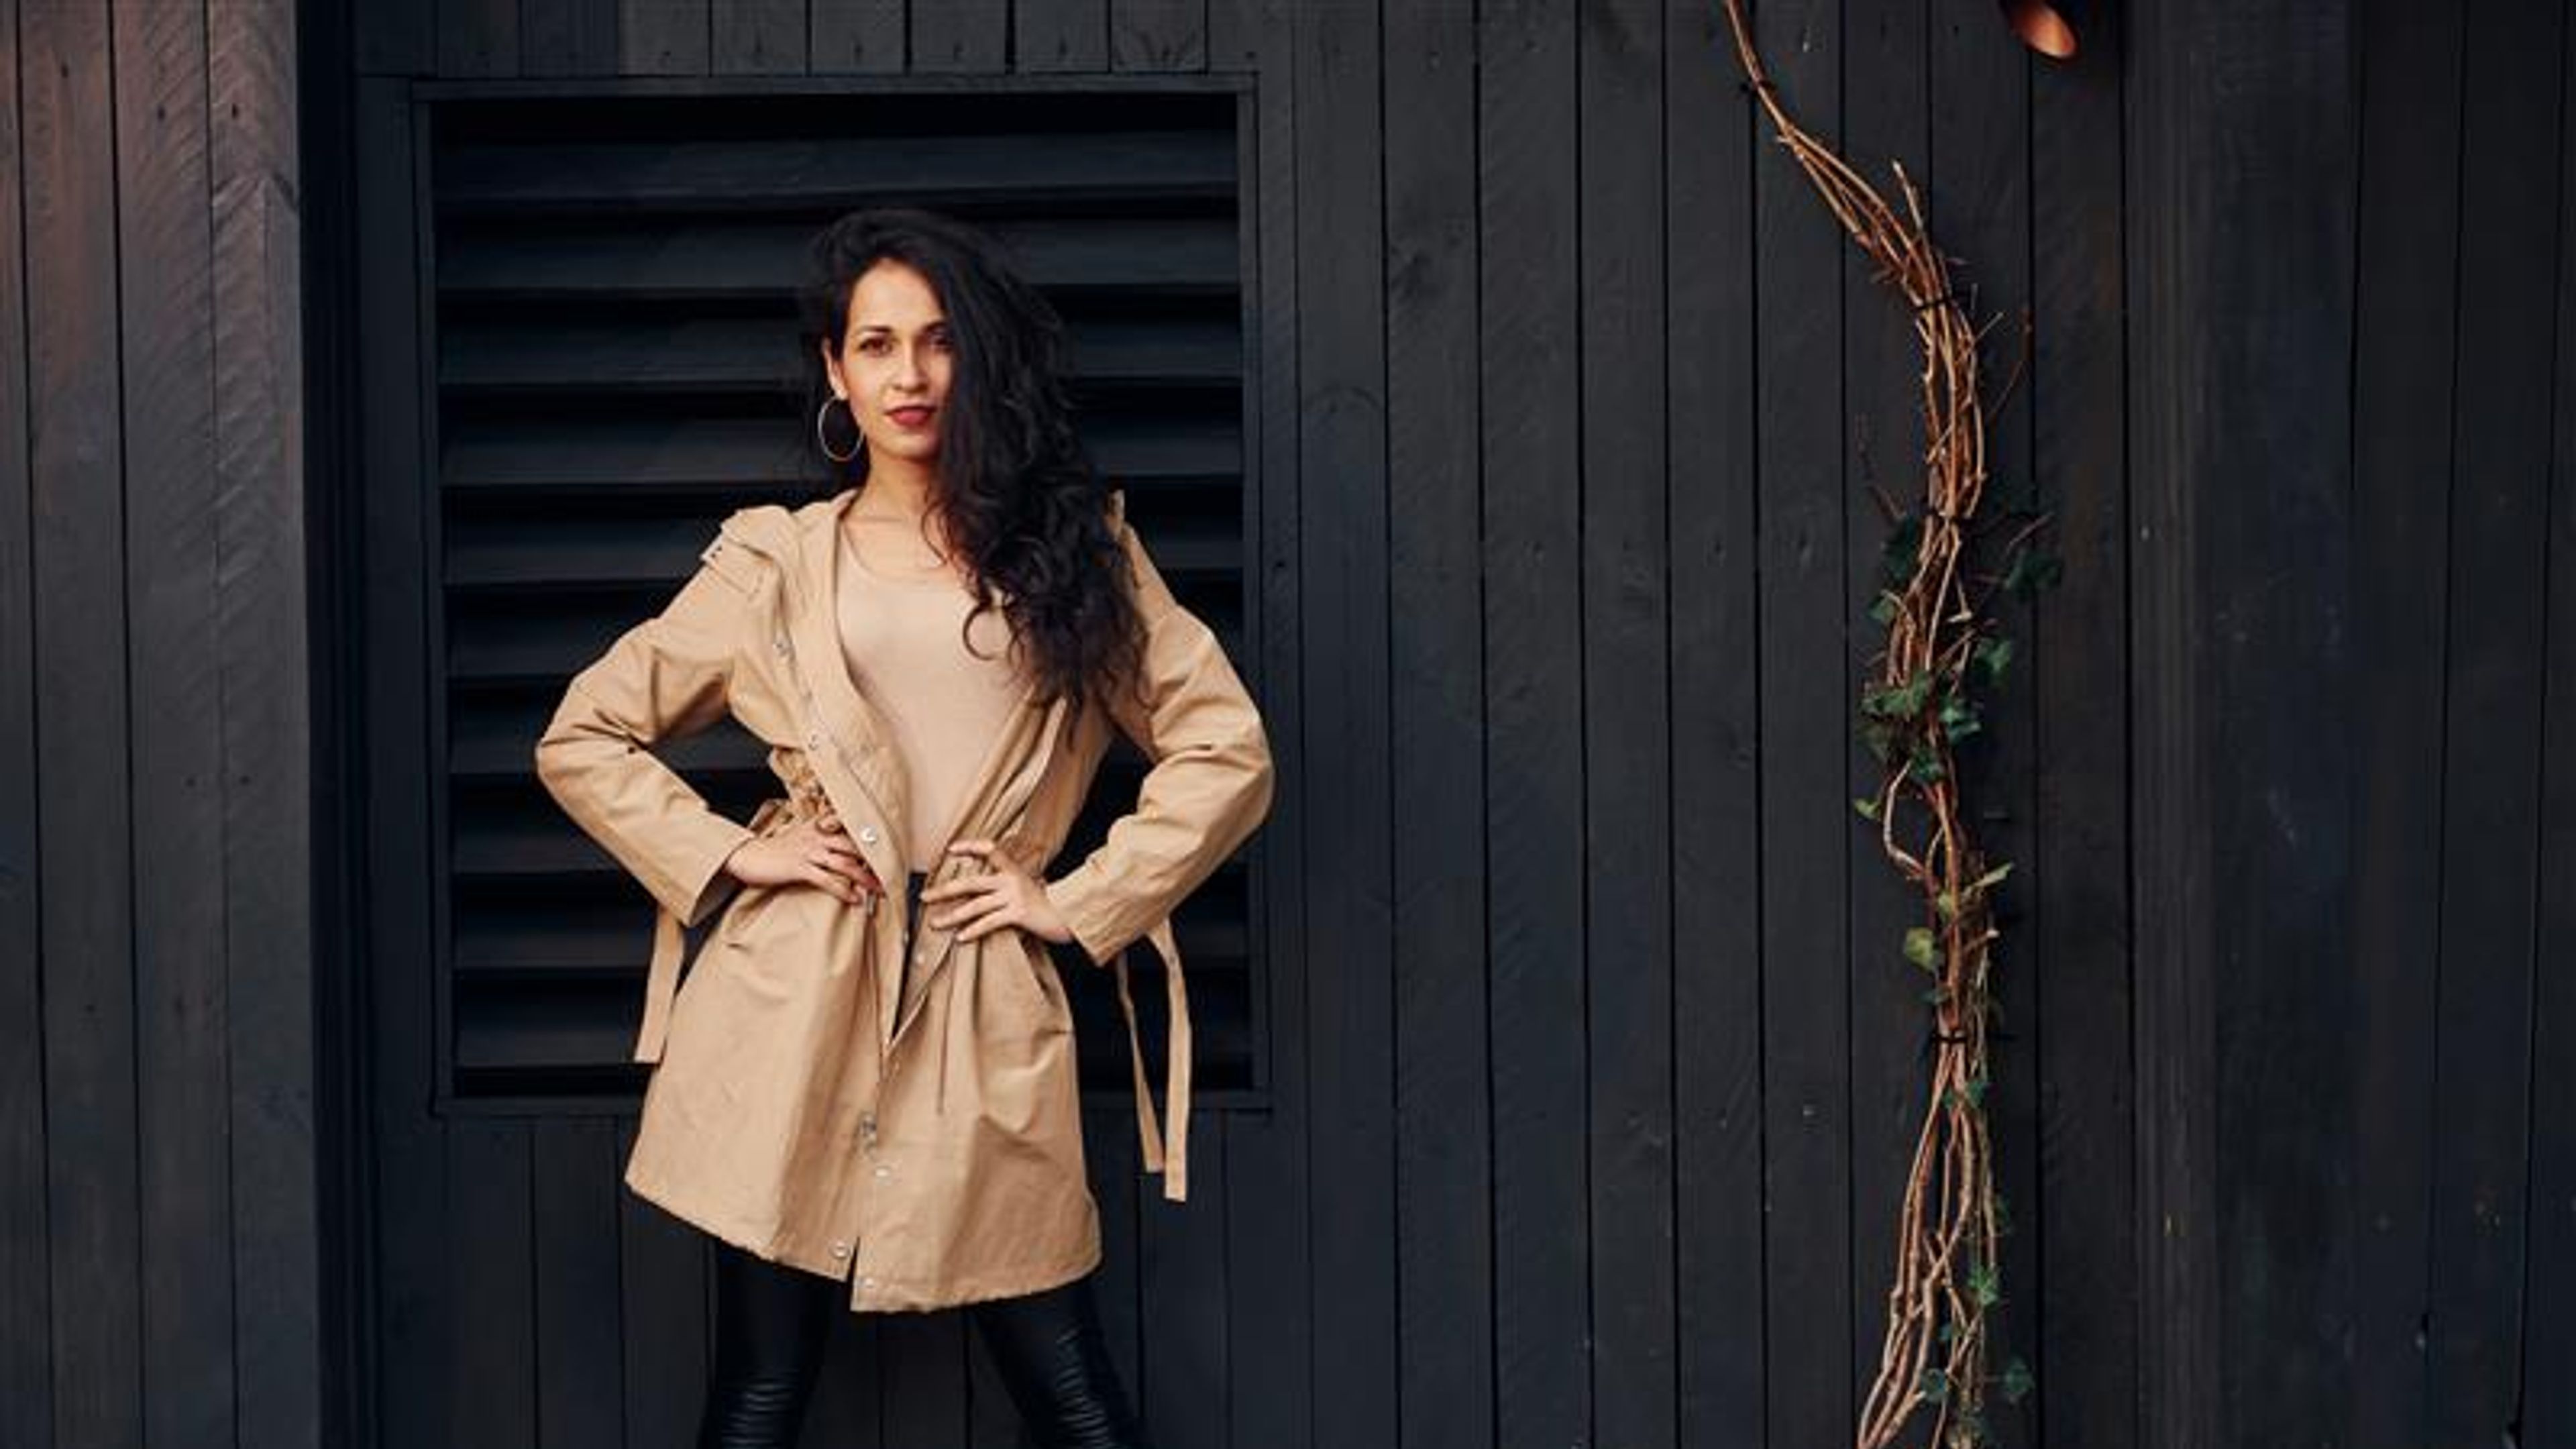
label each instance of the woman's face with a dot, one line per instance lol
(893, 363)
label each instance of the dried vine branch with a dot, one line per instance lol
(1938, 1349)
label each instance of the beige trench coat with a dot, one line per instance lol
(918, 1133)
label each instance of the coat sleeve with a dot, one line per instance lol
(663, 678)
(1208, 788)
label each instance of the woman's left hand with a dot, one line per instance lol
(1004, 895)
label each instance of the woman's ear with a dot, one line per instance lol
(832, 366)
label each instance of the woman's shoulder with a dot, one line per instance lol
(772, 531)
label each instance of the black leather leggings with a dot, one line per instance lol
(772, 1321)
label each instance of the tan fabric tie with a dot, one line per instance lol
(1168, 1155)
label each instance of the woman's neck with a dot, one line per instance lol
(897, 486)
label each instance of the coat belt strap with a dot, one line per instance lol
(661, 983)
(1167, 1154)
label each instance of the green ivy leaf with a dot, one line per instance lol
(1974, 1089)
(1866, 805)
(1960, 717)
(1947, 904)
(1984, 1285)
(1882, 610)
(1991, 877)
(2033, 570)
(1992, 653)
(2016, 1381)
(1934, 1385)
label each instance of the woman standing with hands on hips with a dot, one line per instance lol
(874, 1104)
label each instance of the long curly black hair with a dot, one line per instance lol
(1016, 492)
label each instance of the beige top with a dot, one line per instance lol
(945, 706)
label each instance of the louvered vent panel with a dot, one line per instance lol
(616, 370)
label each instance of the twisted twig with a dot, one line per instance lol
(1950, 1228)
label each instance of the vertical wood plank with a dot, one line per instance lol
(26, 1299)
(2548, 1397)
(492, 1280)
(1805, 723)
(1341, 414)
(663, 1335)
(1234, 34)
(1626, 722)
(1269, 1259)
(279, 1347)
(173, 554)
(1181, 1274)
(1530, 394)
(2241, 799)
(478, 38)
(84, 793)
(2408, 244)
(1711, 322)
(1159, 35)
(757, 37)
(579, 1327)
(1443, 1157)
(2548, 1419)
(2492, 741)
(855, 36)
(663, 37)
(1060, 35)
(2082, 1345)
(568, 37)
(960, 37)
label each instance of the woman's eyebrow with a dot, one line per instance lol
(867, 327)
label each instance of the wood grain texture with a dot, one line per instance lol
(26, 1297)
(2479, 1210)
(1444, 1118)
(1341, 418)
(2083, 1343)
(173, 560)
(1804, 715)
(83, 712)
(1711, 332)
(1627, 776)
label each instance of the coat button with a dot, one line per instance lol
(840, 1250)
(884, 1171)
(867, 835)
(780, 643)
(867, 1280)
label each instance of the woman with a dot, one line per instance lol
(857, 1103)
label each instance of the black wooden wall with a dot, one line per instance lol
(1592, 1061)
(161, 1269)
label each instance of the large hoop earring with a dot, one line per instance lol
(823, 440)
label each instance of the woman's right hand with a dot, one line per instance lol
(810, 852)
